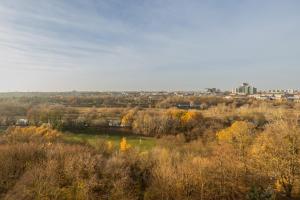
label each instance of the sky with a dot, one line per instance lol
(104, 45)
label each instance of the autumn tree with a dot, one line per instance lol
(128, 118)
(47, 114)
(191, 118)
(192, 123)
(241, 135)
(277, 153)
(124, 146)
(32, 133)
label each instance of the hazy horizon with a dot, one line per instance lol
(111, 45)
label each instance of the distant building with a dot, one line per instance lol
(22, 122)
(297, 98)
(245, 89)
(212, 90)
(190, 105)
(114, 123)
(285, 91)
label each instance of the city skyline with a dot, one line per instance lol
(88, 45)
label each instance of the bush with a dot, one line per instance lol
(15, 159)
(32, 133)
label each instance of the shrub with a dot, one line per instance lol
(32, 133)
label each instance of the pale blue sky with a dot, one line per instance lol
(59, 45)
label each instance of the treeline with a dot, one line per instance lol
(10, 111)
(156, 122)
(125, 101)
(191, 123)
(149, 122)
(88, 100)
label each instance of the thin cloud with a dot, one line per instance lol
(119, 44)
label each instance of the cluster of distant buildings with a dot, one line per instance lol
(278, 94)
(245, 89)
(281, 97)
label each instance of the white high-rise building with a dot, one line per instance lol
(245, 89)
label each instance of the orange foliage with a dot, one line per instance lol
(124, 146)
(189, 116)
(239, 131)
(31, 132)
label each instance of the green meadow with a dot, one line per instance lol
(139, 142)
(91, 137)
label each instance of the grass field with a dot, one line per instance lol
(142, 143)
(90, 137)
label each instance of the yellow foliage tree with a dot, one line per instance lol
(191, 116)
(175, 113)
(128, 119)
(124, 146)
(241, 135)
(188, 116)
(43, 132)
(277, 152)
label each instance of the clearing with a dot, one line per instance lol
(141, 142)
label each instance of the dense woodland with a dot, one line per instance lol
(225, 149)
